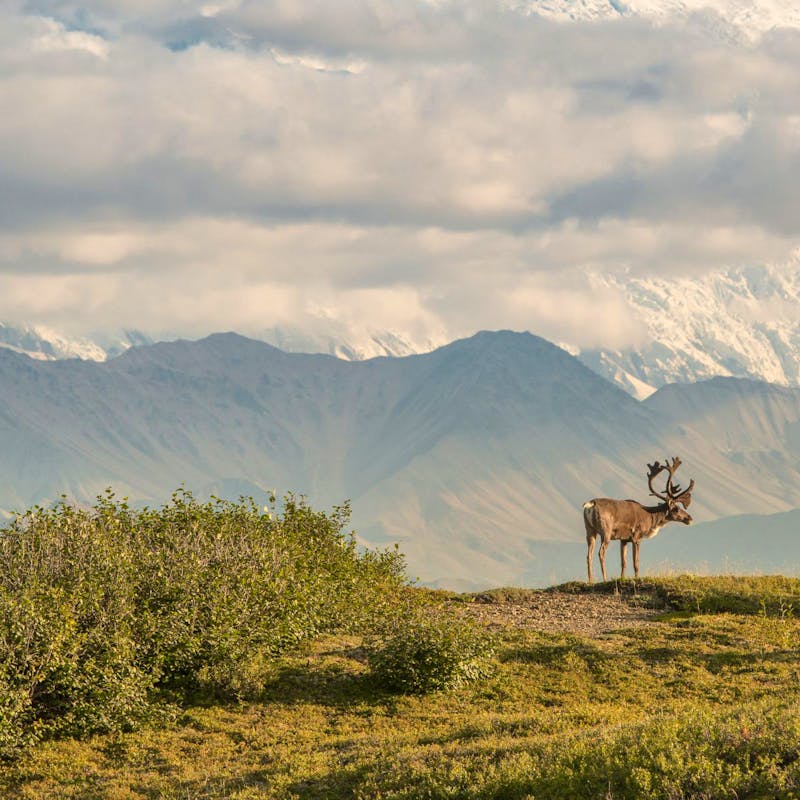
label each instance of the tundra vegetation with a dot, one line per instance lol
(215, 650)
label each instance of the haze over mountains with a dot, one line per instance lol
(475, 457)
(741, 322)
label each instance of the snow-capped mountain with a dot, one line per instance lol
(117, 342)
(46, 344)
(350, 342)
(323, 334)
(742, 20)
(740, 323)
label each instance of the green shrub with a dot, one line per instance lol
(429, 651)
(102, 609)
(67, 641)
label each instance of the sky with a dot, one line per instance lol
(425, 166)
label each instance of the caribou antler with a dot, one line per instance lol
(673, 491)
(685, 497)
(654, 470)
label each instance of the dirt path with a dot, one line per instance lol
(582, 614)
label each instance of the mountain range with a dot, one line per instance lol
(740, 322)
(475, 457)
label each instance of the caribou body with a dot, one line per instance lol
(630, 521)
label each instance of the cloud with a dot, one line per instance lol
(196, 166)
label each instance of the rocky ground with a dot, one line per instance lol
(582, 614)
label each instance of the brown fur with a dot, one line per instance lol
(626, 521)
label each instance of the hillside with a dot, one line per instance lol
(428, 447)
(475, 457)
(669, 688)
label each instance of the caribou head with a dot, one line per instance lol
(672, 496)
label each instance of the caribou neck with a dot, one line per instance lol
(659, 513)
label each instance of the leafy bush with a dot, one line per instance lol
(67, 643)
(103, 608)
(223, 582)
(428, 651)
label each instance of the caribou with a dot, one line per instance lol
(630, 521)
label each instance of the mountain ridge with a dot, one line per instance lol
(742, 322)
(475, 458)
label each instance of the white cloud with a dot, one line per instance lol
(53, 37)
(193, 166)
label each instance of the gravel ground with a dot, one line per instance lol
(583, 614)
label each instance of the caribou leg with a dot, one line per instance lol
(590, 541)
(636, 558)
(623, 554)
(603, 546)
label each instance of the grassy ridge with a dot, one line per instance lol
(769, 594)
(702, 703)
(774, 595)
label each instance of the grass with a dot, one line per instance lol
(702, 703)
(776, 595)
(772, 594)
